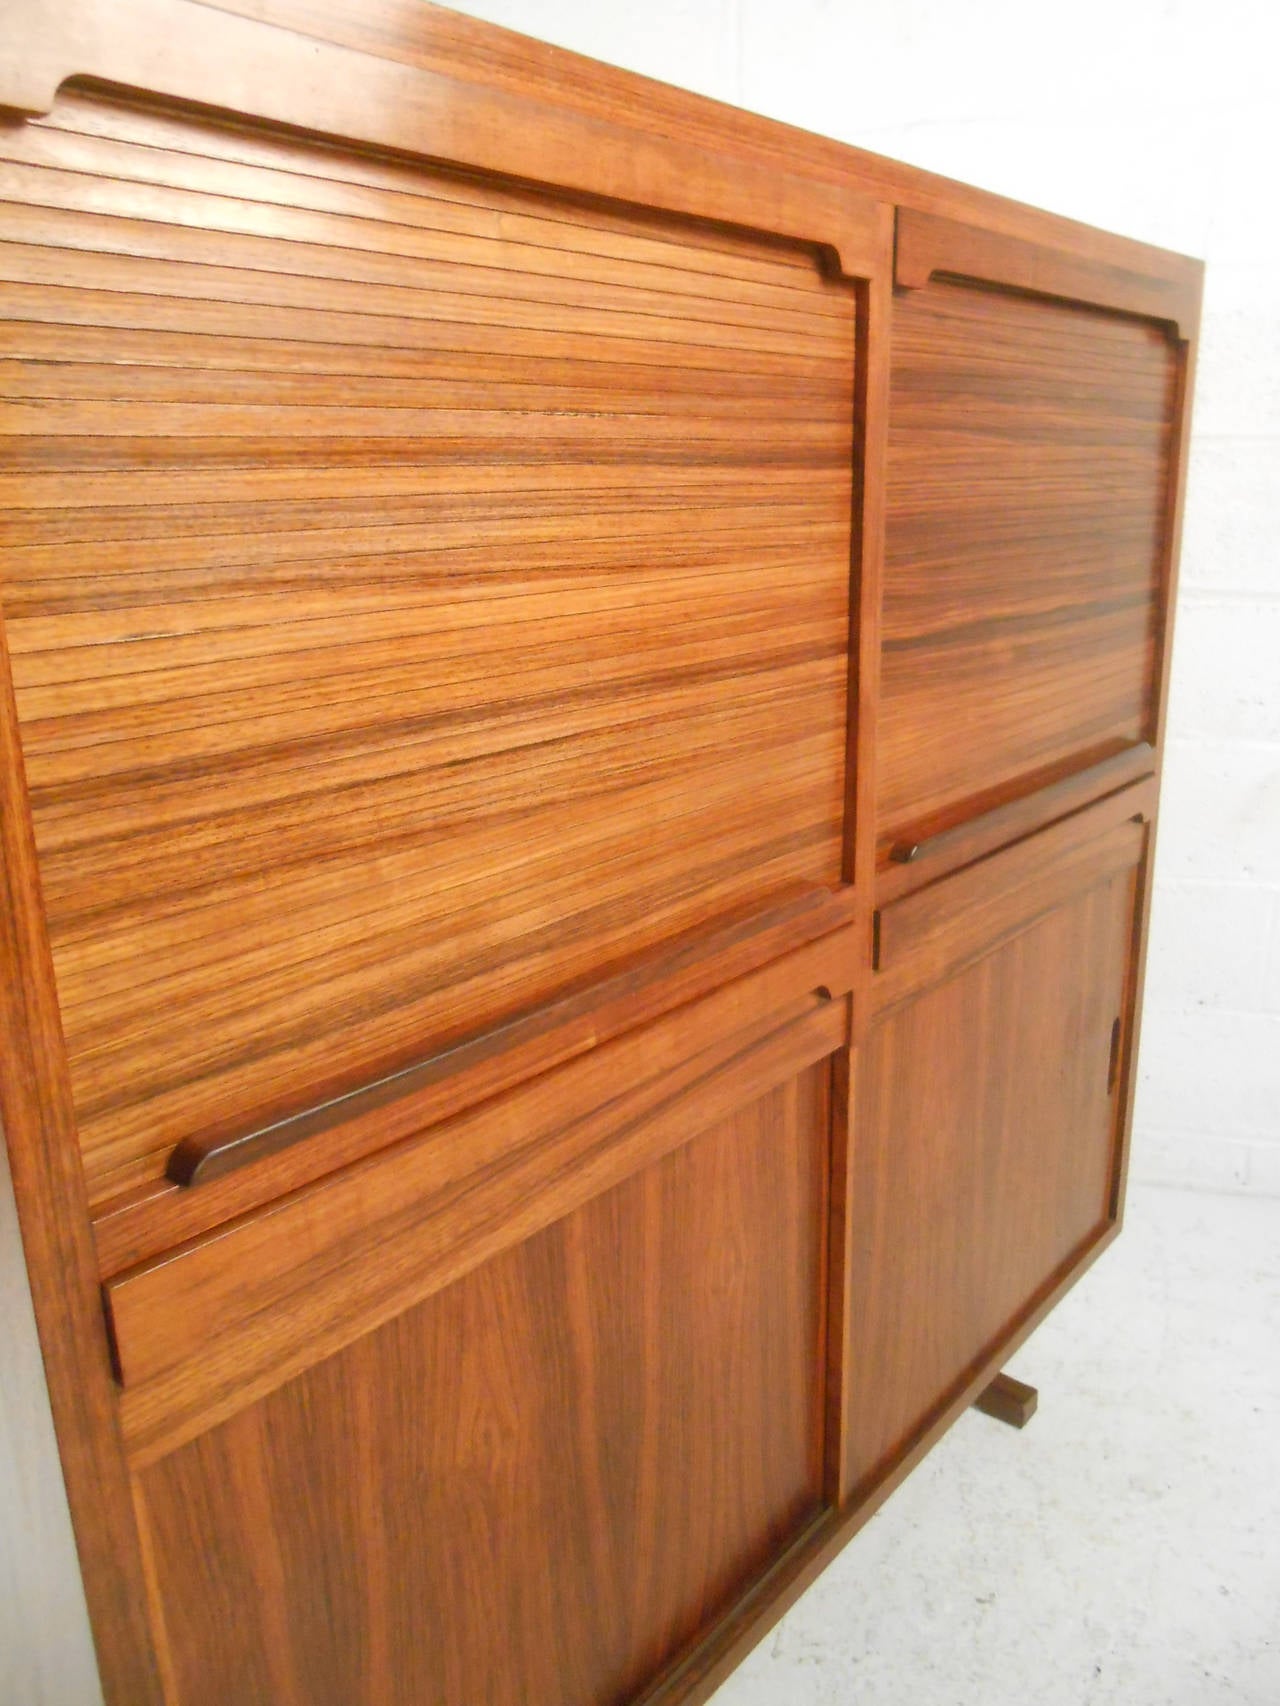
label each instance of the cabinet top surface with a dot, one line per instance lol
(275, 59)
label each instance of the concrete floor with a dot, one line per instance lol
(1124, 1550)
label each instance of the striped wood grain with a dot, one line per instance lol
(1028, 462)
(420, 592)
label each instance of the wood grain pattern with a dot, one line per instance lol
(443, 569)
(1028, 466)
(358, 734)
(548, 87)
(694, 1679)
(789, 949)
(413, 1520)
(200, 54)
(1008, 815)
(875, 306)
(934, 932)
(37, 1128)
(871, 414)
(201, 1332)
(928, 245)
(574, 1021)
(1169, 597)
(986, 1141)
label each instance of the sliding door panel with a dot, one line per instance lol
(546, 1480)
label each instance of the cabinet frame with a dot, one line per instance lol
(450, 91)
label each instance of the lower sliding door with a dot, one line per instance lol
(985, 1156)
(511, 1413)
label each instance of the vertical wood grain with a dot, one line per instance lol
(985, 1142)
(544, 1482)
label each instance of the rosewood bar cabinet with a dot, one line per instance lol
(583, 685)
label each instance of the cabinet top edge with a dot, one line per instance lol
(51, 42)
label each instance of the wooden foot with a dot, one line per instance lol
(1008, 1400)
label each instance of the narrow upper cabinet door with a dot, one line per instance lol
(1033, 398)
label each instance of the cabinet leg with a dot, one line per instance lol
(1008, 1400)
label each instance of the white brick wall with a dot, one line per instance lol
(1157, 118)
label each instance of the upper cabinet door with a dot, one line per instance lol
(421, 591)
(1033, 400)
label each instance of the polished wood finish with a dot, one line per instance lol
(206, 1327)
(1041, 800)
(186, 51)
(459, 1542)
(929, 246)
(588, 682)
(37, 1121)
(575, 1021)
(694, 1679)
(939, 930)
(983, 1174)
(1028, 464)
(1008, 1400)
(264, 746)
(1174, 497)
(460, 61)
(268, 1164)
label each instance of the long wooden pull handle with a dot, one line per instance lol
(626, 995)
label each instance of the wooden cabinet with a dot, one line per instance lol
(583, 684)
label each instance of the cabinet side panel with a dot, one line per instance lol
(983, 1156)
(546, 1480)
(46, 1649)
(421, 591)
(1028, 472)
